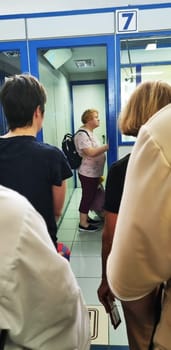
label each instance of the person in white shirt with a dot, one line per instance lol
(41, 304)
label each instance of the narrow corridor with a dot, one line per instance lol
(86, 265)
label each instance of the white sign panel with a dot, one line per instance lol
(127, 21)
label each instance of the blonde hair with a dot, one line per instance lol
(148, 98)
(87, 115)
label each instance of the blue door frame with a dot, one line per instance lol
(108, 41)
(24, 64)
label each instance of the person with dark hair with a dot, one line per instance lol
(148, 98)
(42, 306)
(35, 169)
(91, 168)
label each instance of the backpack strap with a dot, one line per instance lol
(82, 130)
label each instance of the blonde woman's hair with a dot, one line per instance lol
(88, 115)
(148, 98)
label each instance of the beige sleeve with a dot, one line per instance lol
(141, 252)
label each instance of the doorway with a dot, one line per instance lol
(90, 95)
(59, 109)
(64, 71)
(75, 79)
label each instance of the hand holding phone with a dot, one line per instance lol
(114, 313)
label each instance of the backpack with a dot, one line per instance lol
(68, 147)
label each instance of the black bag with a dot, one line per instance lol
(68, 147)
(3, 334)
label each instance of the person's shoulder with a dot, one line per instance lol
(156, 133)
(18, 208)
(12, 200)
(19, 215)
(159, 122)
(120, 162)
(15, 209)
(82, 132)
(47, 149)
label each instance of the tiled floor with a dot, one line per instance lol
(86, 264)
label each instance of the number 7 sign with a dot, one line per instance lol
(126, 21)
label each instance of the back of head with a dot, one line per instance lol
(20, 96)
(147, 99)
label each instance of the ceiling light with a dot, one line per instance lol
(84, 63)
(11, 53)
(152, 46)
(58, 57)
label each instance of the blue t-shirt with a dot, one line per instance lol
(32, 168)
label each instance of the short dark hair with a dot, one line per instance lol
(20, 96)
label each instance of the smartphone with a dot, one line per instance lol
(114, 313)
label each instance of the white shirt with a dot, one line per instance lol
(90, 166)
(40, 301)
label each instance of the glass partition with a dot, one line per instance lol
(9, 65)
(58, 111)
(143, 59)
(58, 69)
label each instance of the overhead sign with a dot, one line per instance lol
(126, 21)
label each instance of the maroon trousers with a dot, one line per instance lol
(89, 188)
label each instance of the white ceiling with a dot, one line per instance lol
(132, 51)
(11, 63)
(96, 53)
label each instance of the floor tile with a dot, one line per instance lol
(86, 248)
(69, 223)
(89, 288)
(89, 236)
(65, 235)
(84, 266)
(71, 213)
